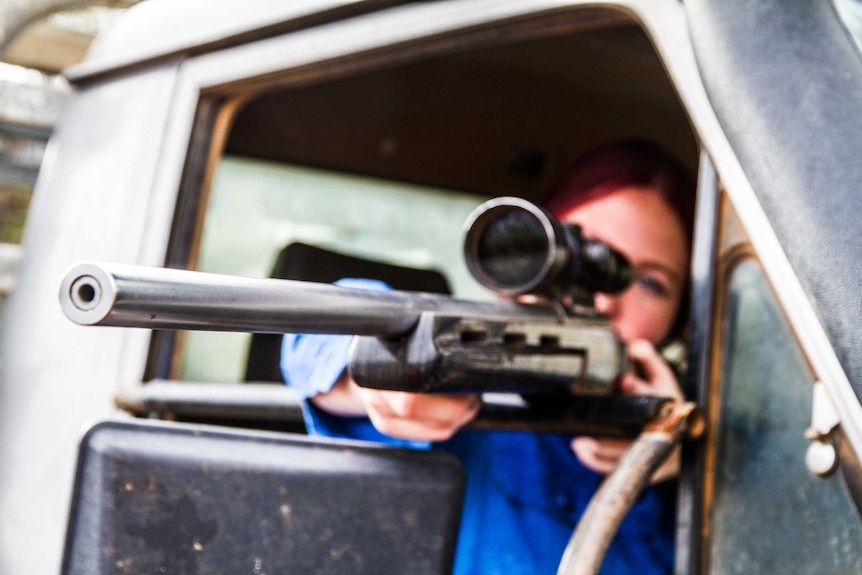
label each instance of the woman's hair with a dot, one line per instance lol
(629, 163)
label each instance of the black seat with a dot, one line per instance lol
(156, 497)
(299, 261)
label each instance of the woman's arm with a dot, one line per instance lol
(400, 414)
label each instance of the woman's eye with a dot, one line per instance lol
(652, 285)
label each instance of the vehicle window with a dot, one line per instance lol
(24, 131)
(770, 515)
(385, 162)
(19, 160)
(256, 208)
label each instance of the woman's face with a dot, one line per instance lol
(641, 225)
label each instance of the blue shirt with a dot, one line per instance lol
(525, 491)
(525, 494)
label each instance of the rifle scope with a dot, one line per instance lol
(514, 247)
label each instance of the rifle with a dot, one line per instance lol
(556, 357)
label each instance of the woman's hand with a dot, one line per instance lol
(656, 379)
(399, 414)
(419, 416)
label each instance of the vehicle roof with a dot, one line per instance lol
(159, 28)
(785, 81)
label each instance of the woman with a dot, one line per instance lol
(526, 491)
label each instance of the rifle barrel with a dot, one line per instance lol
(94, 293)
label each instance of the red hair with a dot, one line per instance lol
(631, 163)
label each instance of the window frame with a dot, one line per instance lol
(210, 88)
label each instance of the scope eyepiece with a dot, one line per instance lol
(514, 247)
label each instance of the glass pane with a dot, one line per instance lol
(20, 157)
(771, 516)
(256, 208)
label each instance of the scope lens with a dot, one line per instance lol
(603, 269)
(513, 249)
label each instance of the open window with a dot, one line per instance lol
(382, 155)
